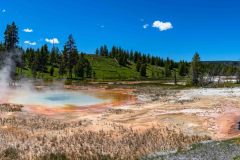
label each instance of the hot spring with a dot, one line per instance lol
(59, 98)
(61, 101)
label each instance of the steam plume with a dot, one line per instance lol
(7, 70)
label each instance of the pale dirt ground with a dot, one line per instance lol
(211, 112)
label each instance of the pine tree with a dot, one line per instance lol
(51, 71)
(113, 52)
(144, 59)
(43, 59)
(238, 75)
(105, 50)
(72, 54)
(88, 69)
(182, 68)
(131, 56)
(143, 70)
(138, 66)
(175, 76)
(2, 47)
(11, 38)
(153, 60)
(62, 65)
(30, 57)
(34, 66)
(65, 58)
(195, 69)
(167, 70)
(97, 52)
(53, 56)
(79, 69)
(137, 57)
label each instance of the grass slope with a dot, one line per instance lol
(105, 69)
(108, 68)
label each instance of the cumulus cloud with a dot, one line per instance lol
(162, 26)
(3, 10)
(52, 41)
(28, 30)
(30, 43)
(145, 26)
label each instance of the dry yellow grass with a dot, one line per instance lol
(37, 137)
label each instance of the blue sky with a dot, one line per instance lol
(168, 28)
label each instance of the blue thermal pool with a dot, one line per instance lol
(58, 98)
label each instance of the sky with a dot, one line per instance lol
(166, 28)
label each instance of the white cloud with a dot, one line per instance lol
(52, 41)
(4, 10)
(30, 43)
(28, 30)
(162, 26)
(101, 25)
(145, 26)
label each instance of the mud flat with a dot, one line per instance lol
(159, 120)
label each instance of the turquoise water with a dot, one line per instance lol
(57, 98)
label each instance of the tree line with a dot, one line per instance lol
(43, 60)
(70, 63)
(124, 58)
(203, 74)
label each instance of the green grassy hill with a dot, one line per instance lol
(108, 68)
(105, 69)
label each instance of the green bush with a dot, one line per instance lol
(236, 158)
(54, 156)
(9, 154)
(68, 82)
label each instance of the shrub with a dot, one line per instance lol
(54, 156)
(9, 154)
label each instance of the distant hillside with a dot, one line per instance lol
(232, 63)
